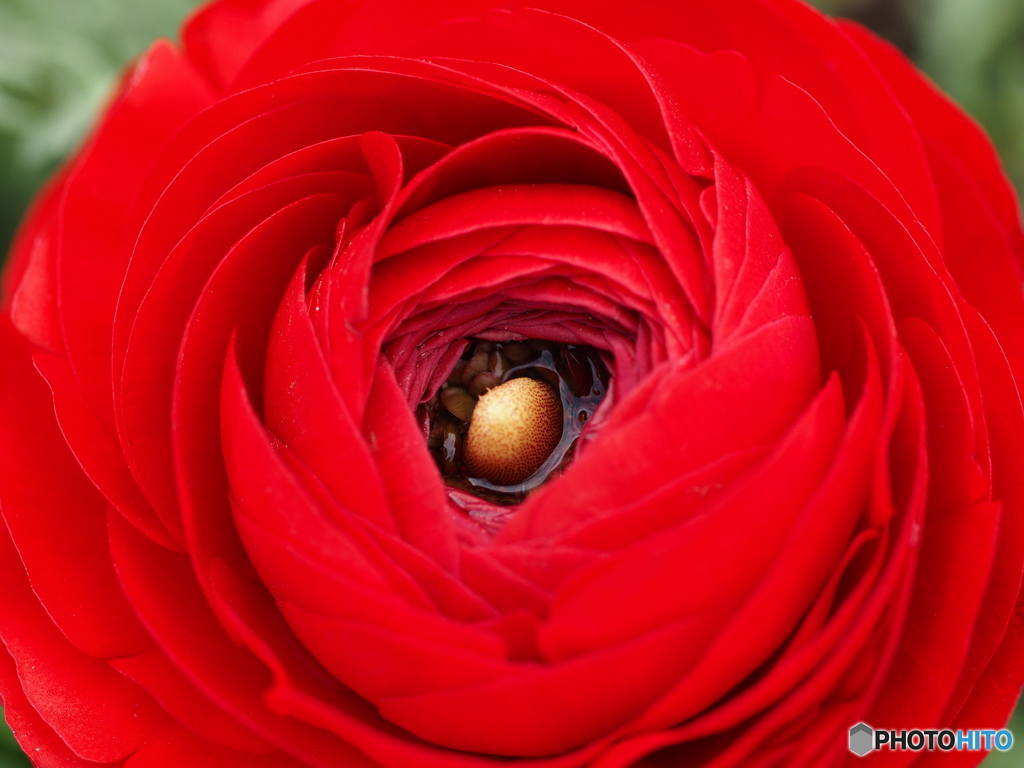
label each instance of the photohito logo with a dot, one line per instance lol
(864, 739)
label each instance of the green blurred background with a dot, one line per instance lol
(60, 58)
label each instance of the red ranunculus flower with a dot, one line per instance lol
(601, 384)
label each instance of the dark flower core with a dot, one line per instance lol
(576, 372)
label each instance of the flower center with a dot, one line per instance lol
(510, 413)
(513, 430)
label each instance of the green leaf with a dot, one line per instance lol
(59, 60)
(10, 754)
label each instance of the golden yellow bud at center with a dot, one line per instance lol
(514, 429)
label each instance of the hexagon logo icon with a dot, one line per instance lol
(862, 739)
